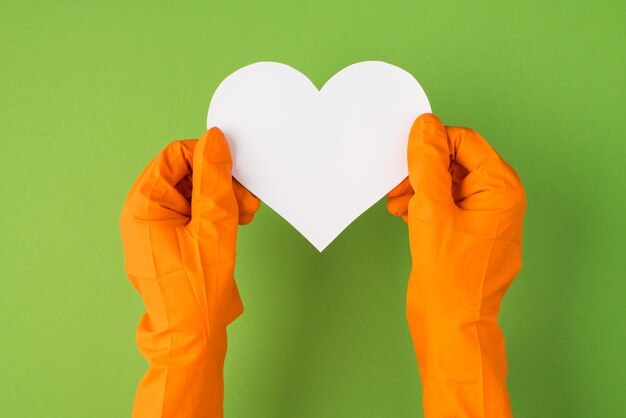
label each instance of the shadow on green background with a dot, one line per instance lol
(91, 92)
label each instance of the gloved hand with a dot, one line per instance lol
(465, 232)
(179, 226)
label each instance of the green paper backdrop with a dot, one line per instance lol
(91, 91)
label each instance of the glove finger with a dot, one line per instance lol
(399, 205)
(429, 163)
(490, 195)
(247, 202)
(185, 187)
(214, 209)
(158, 194)
(404, 187)
(398, 198)
(470, 149)
(489, 182)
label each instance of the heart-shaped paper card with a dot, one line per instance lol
(319, 158)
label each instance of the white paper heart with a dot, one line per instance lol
(319, 158)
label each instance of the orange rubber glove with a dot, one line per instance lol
(465, 232)
(179, 227)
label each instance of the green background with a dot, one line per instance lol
(91, 91)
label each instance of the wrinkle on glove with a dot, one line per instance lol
(179, 227)
(464, 206)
